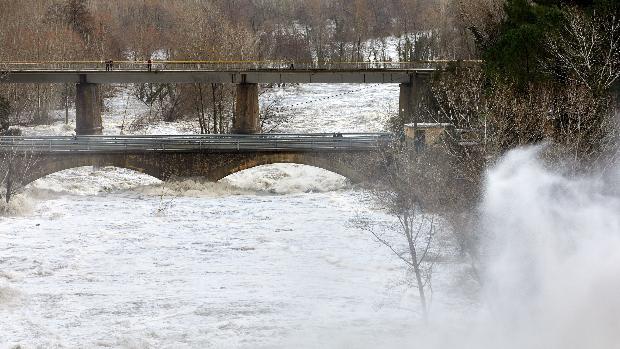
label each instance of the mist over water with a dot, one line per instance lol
(552, 257)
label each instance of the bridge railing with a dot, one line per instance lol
(189, 143)
(220, 65)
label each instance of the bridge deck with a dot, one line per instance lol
(197, 143)
(200, 71)
(374, 76)
(104, 72)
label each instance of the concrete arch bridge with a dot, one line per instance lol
(211, 157)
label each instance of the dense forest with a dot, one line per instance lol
(327, 30)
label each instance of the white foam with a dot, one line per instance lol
(19, 205)
(88, 181)
(9, 296)
(287, 179)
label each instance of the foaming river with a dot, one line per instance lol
(269, 258)
(266, 257)
(263, 258)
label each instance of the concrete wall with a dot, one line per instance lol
(430, 134)
(88, 109)
(247, 119)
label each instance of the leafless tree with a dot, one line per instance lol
(16, 164)
(271, 117)
(481, 17)
(587, 52)
(499, 117)
(409, 190)
(459, 98)
(588, 49)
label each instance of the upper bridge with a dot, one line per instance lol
(413, 78)
(212, 157)
(184, 72)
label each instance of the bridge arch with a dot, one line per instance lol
(89, 179)
(47, 167)
(344, 169)
(213, 166)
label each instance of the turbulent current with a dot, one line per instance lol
(269, 257)
(193, 264)
(266, 257)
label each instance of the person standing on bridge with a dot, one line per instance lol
(149, 64)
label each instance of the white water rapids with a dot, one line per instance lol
(268, 257)
(112, 258)
(209, 265)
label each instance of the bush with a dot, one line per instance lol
(13, 132)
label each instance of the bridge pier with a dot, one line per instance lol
(247, 110)
(412, 98)
(88, 109)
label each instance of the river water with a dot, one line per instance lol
(269, 258)
(265, 258)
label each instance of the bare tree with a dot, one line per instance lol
(16, 164)
(201, 109)
(588, 49)
(587, 55)
(409, 189)
(459, 98)
(271, 117)
(481, 17)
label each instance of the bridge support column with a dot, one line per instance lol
(88, 109)
(413, 96)
(246, 113)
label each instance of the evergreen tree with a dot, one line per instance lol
(517, 53)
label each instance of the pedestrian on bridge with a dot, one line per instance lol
(149, 64)
(108, 65)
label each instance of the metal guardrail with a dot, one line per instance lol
(197, 65)
(197, 143)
